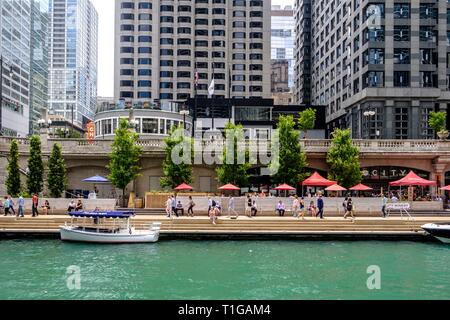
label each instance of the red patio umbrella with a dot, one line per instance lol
(336, 187)
(412, 179)
(229, 187)
(446, 188)
(316, 180)
(361, 187)
(184, 187)
(285, 187)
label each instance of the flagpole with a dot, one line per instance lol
(195, 100)
(212, 99)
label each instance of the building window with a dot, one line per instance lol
(401, 122)
(401, 79)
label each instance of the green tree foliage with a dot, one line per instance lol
(124, 158)
(307, 120)
(290, 165)
(13, 169)
(35, 181)
(437, 121)
(177, 166)
(57, 175)
(343, 159)
(235, 165)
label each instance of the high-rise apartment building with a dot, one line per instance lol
(162, 44)
(73, 60)
(380, 66)
(282, 50)
(15, 37)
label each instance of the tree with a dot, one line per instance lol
(177, 166)
(233, 170)
(290, 165)
(307, 120)
(437, 121)
(13, 178)
(124, 158)
(343, 159)
(57, 178)
(35, 181)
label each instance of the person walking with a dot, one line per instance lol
(295, 207)
(320, 206)
(21, 203)
(302, 207)
(6, 206)
(344, 205)
(174, 206)
(11, 205)
(169, 207)
(34, 205)
(384, 201)
(248, 208)
(349, 210)
(231, 207)
(191, 206)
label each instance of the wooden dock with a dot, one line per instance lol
(392, 228)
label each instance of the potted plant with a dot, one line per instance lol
(437, 122)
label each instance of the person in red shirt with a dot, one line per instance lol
(35, 204)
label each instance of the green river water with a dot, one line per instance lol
(229, 270)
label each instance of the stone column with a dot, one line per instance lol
(438, 175)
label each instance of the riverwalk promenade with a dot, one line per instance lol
(392, 228)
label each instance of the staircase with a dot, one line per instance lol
(263, 226)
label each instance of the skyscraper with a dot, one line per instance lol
(73, 60)
(161, 44)
(380, 67)
(15, 26)
(283, 37)
(39, 62)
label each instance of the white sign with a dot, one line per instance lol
(398, 206)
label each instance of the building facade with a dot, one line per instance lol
(39, 62)
(73, 60)
(15, 38)
(162, 44)
(282, 47)
(380, 66)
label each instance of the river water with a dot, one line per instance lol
(229, 270)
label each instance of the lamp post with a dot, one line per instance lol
(1, 91)
(184, 113)
(369, 114)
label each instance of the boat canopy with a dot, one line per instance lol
(103, 214)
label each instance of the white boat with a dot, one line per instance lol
(439, 231)
(100, 232)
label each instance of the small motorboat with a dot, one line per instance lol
(439, 231)
(107, 227)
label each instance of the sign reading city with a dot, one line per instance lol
(91, 131)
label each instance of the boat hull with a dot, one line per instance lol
(439, 231)
(74, 235)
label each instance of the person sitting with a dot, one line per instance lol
(281, 209)
(79, 206)
(46, 207)
(180, 208)
(254, 209)
(72, 206)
